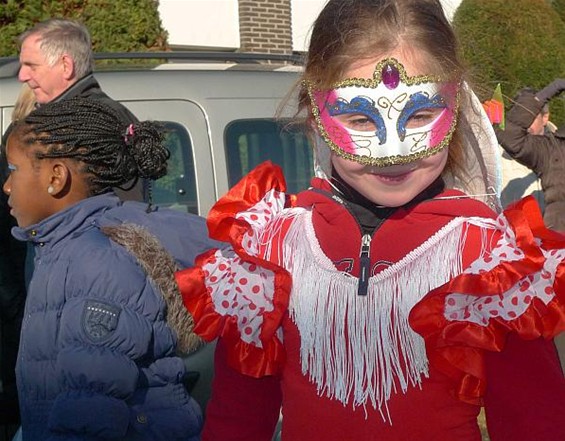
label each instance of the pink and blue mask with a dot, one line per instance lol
(389, 119)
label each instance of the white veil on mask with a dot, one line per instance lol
(482, 159)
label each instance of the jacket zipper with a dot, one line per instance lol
(365, 252)
(364, 265)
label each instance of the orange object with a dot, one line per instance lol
(494, 110)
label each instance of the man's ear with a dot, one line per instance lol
(68, 67)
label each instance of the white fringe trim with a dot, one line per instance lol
(360, 349)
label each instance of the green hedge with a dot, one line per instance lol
(517, 43)
(115, 25)
(559, 6)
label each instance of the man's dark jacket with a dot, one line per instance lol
(543, 154)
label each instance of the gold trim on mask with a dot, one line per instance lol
(374, 83)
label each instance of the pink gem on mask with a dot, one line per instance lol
(390, 76)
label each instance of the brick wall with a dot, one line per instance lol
(265, 26)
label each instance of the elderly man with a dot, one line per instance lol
(56, 62)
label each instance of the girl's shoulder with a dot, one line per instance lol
(513, 287)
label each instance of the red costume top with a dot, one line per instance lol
(314, 314)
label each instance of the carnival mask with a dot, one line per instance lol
(389, 119)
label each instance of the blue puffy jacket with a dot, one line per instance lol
(97, 357)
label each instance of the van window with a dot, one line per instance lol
(252, 141)
(177, 189)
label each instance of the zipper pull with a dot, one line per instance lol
(364, 265)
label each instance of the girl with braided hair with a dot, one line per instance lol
(98, 354)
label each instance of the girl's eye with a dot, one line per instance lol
(357, 122)
(11, 167)
(422, 118)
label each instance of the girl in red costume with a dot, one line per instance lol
(389, 301)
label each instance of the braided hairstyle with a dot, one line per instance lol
(110, 152)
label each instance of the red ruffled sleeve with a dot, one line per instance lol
(518, 287)
(233, 292)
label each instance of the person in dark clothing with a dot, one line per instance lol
(12, 298)
(12, 286)
(544, 153)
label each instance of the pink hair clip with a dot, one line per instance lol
(129, 133)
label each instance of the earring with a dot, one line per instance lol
(50, 189)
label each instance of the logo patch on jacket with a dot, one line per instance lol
(99, 320)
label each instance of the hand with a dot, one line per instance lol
(551, 90)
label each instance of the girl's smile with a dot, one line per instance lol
(393, 178)
(394, 174)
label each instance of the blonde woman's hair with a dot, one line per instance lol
(25, 103)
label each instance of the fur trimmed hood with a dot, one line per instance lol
(160, 267)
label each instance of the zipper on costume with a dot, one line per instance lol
(364, 265)
(366, 238)
(365, 252)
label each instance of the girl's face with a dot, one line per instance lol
(394, 185)
(27, 185)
